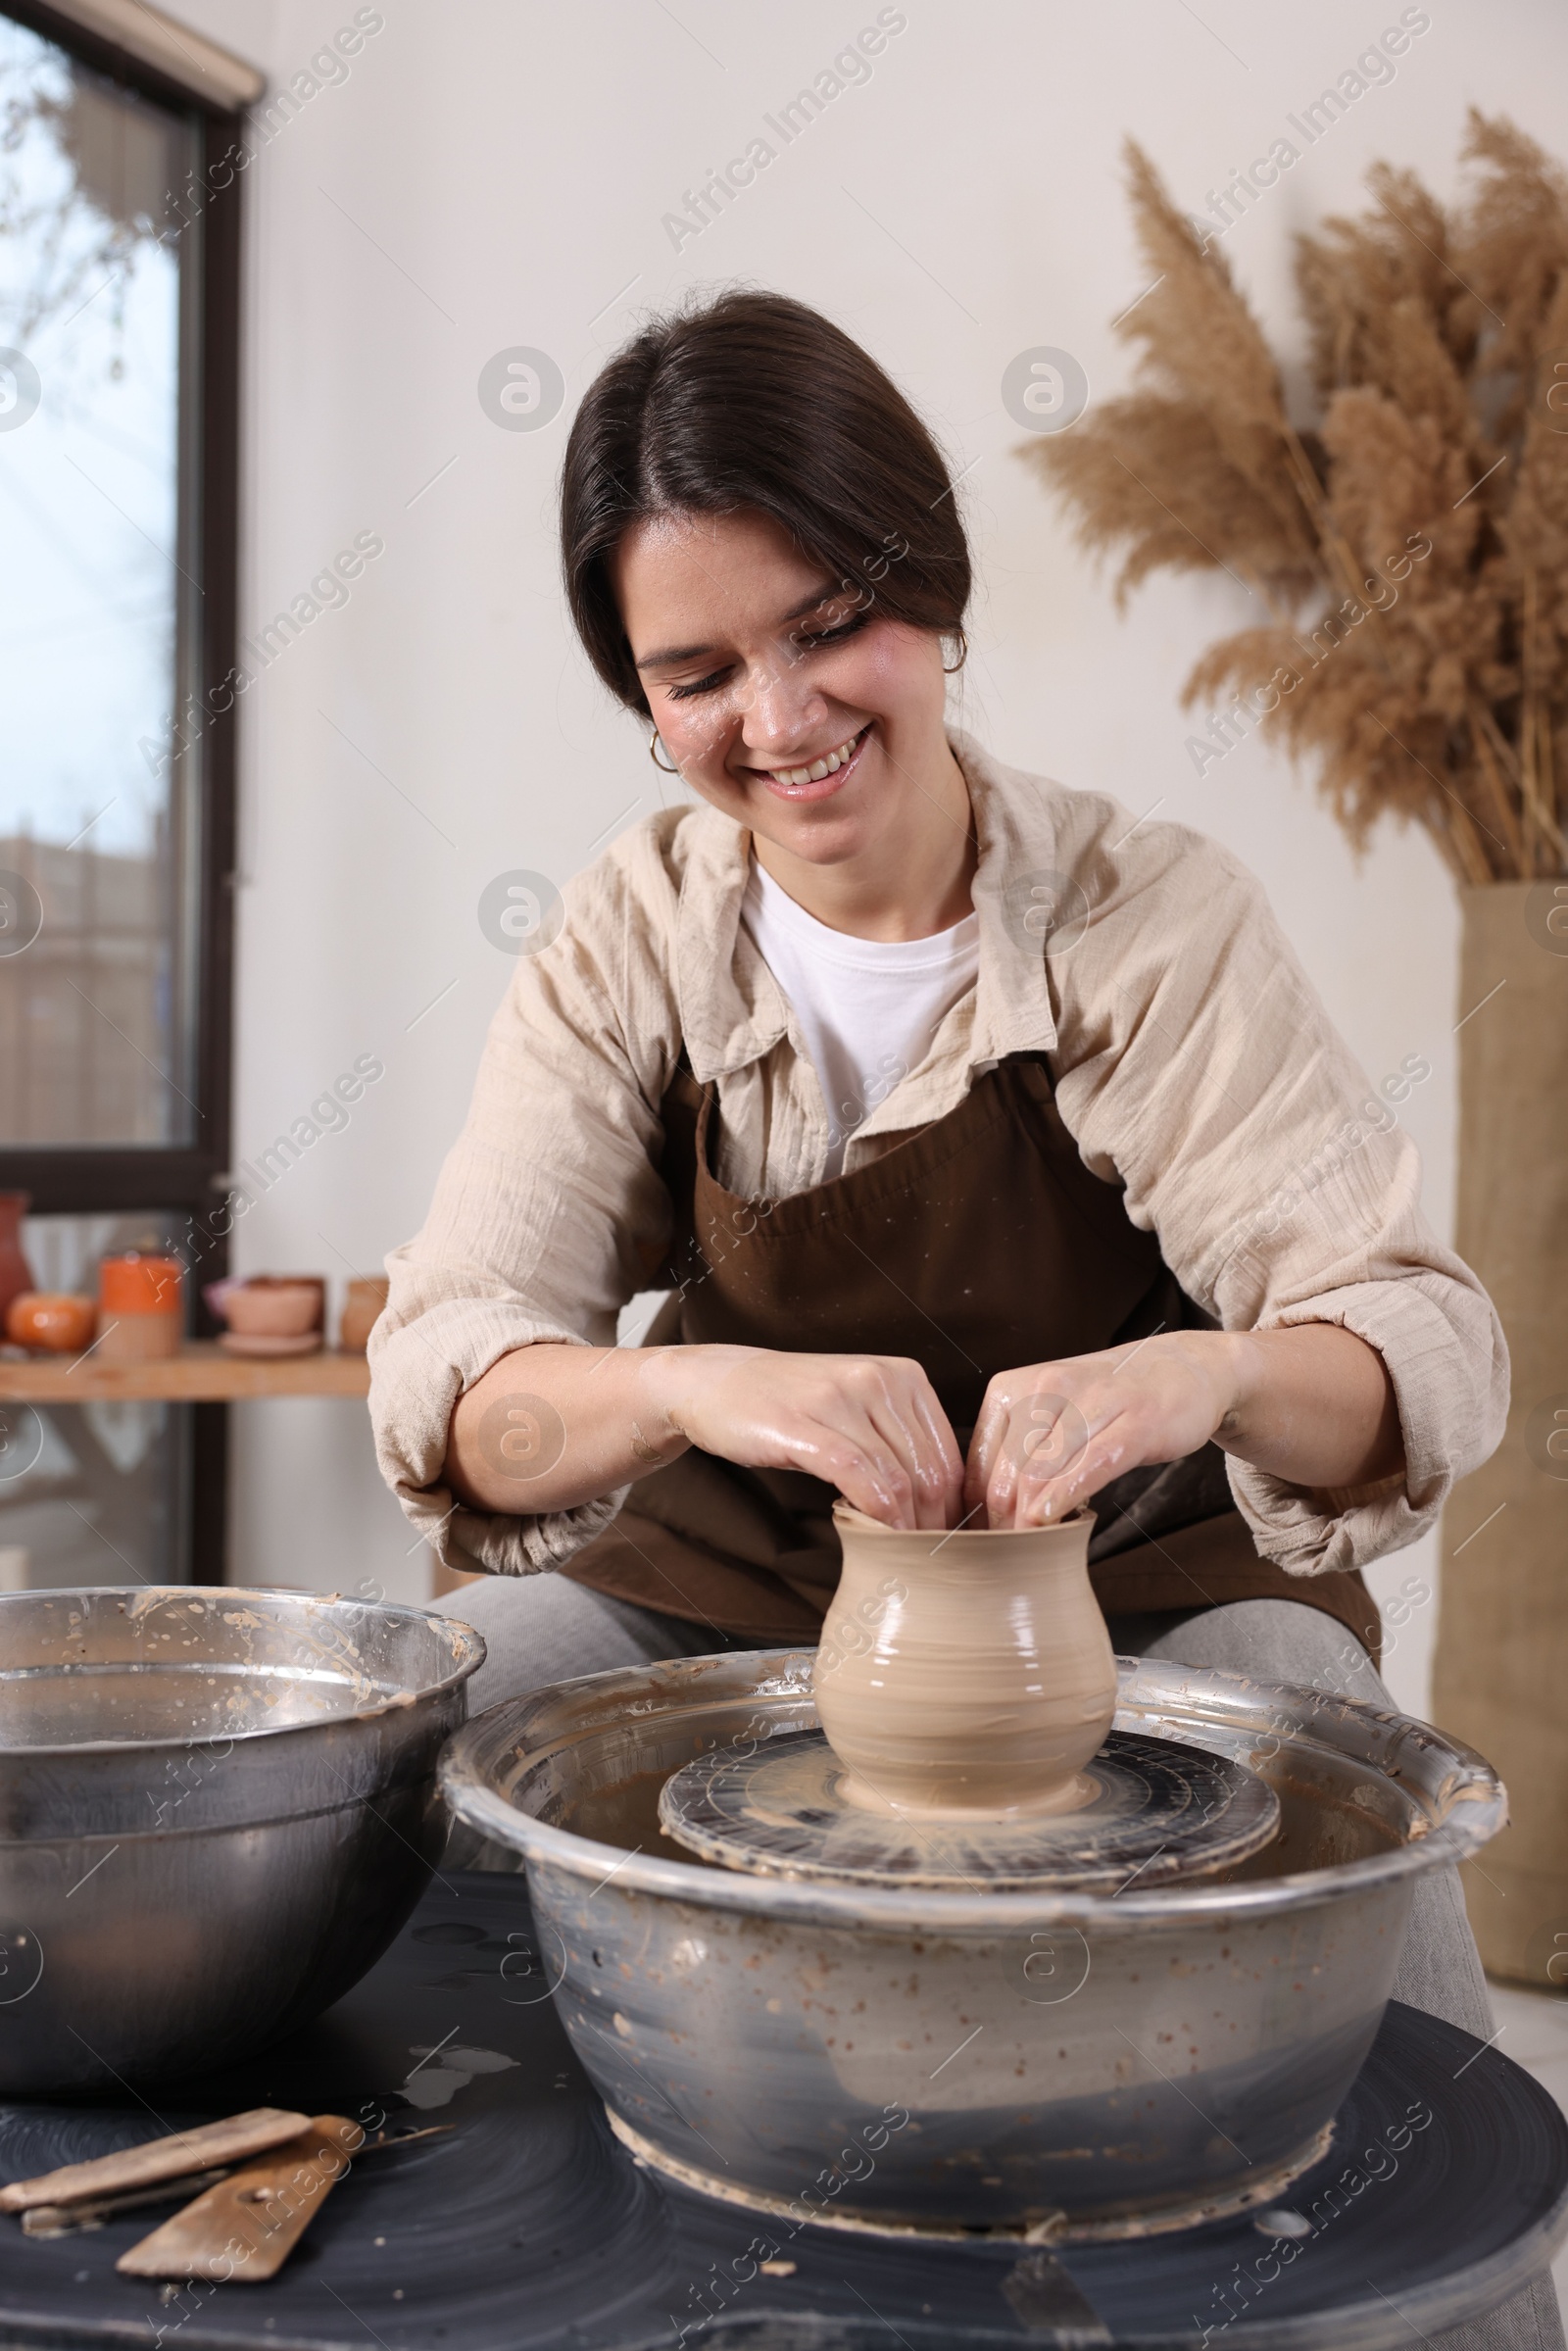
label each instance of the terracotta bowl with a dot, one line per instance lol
(54, 1321)
(274, 1306)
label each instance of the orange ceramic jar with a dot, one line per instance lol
(141, 1308)
(54, 1321)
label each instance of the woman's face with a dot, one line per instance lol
(784, 697)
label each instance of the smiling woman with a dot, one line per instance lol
(841, 990)
(757, 405)
(963, 1120)
(763, 553)
(820, 729)
(941, 1098)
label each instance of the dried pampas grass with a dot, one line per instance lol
(1410, 550)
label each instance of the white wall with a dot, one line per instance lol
(495, 174)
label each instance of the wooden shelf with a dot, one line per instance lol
(201, 1373)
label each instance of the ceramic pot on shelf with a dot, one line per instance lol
(16, 1274)
(967, 1673)
(54, 1322)
(141, 1308)
(271, 1314)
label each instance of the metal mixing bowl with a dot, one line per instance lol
(216, 1808)
(1072, 2066)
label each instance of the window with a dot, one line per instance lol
(118, 363)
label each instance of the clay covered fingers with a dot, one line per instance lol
(869, 1425)
(1051, 1435)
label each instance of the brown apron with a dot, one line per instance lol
(977, 1244)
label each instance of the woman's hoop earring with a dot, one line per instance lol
(963, 656)
(653, 754)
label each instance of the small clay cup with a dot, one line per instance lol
(274, 1306)
(964, 1675)
(57, 1322)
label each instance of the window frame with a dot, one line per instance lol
(74, 1179)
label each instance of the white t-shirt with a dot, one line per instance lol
(866, 1007)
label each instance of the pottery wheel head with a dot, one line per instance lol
(1158, 1811)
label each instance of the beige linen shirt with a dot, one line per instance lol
(1194, 1065)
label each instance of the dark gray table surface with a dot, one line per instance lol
(529, 2227)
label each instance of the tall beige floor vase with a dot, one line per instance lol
(1502, 1678)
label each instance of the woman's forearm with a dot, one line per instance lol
(550, 1427)
(1312, 1405)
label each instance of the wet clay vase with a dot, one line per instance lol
(965, 1675)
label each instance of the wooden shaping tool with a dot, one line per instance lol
(69, 2220)
(183, 2152)
(244, 2228)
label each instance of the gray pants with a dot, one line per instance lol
(544, 1629)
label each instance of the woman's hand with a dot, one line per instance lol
(550, 1427)
(1312, 1405)
(869, 1425)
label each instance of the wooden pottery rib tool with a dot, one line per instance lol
(69, 2220)
(181, 2153)
(244, 2228)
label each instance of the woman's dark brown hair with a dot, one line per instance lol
(753, 401)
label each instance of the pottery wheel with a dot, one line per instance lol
(1159, 1811)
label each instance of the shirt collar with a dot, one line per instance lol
(1015, 882)
(732, 1010)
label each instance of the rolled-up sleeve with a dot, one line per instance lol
(1196, 1064)
(549, 1212)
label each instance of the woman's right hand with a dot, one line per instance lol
(548, 1427)
(869, 1425)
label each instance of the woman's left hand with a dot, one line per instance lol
(1311, 1405)
(1052, 1433)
